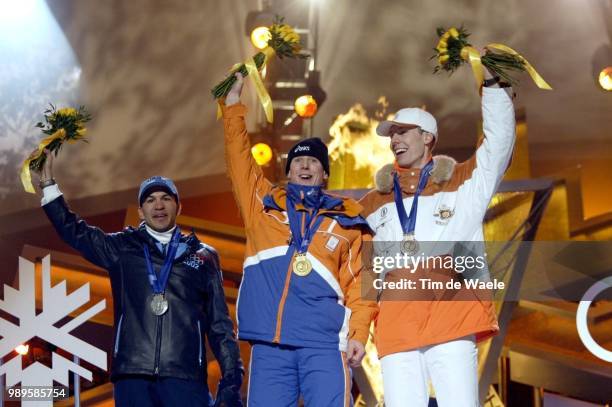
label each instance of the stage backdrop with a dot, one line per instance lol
(144, 69)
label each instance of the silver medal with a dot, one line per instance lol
(410, 246)
(159, 304)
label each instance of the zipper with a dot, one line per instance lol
(116, 349)
(158, 343)
(281, 305)
(158, 338)
(199, 344)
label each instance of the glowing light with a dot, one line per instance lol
(38, 67)
(262, 153)
(17, 10)
(22, 349)
(356, 152)
(605, 78)
(260, 37)
(372, 369)
(306, 106)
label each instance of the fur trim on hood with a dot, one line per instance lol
(442, 171)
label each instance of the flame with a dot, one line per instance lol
(356, 152)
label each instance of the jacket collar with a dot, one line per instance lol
(309, 196)
(191, 240)
(347, 212)
(442, 171)
(163, 237)
(332, 204)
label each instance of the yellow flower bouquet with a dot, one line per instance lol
(453, 50)
(61, 125)
(284, 42)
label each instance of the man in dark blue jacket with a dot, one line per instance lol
(167, 291)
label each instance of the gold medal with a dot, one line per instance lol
(301, 265)
(410, 246)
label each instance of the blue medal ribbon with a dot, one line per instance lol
(309, 219)
(159, 284)
(408, 222)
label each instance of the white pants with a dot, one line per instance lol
(452, 367)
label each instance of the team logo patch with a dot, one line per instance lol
(194, 261)
(332, 243)
(384, 211)
(444, 215)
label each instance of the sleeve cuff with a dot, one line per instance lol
(50, 193)
(360, 336)
(496, 93)
(236, 110)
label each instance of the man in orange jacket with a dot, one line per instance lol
(425, 199)
(300, 300)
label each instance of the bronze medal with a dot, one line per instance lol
(301, 265)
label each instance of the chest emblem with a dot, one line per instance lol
(384, 211)
(194, 261)
(444, 215)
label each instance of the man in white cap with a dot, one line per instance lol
(425, 199)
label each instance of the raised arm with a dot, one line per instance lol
(100, 248)
(248, 181)
(487, 167)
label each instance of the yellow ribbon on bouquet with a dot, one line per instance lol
(253, 73)
(25, 175)
(537, 79)
(472, 56)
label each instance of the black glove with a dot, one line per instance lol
(228, 394)
(228, 397)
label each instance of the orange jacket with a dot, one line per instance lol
(322, 309)
(451, 209)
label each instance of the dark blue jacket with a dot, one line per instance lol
(170, 345)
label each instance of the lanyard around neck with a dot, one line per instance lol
(408, 222)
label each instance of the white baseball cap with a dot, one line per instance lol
(407, 117)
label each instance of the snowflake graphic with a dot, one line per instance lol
(56, 305)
